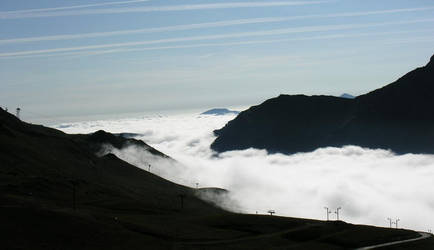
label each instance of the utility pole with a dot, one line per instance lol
(182, 196)
(74, 184)
(337, 212)
(328, 212)
(390, 222)
(396, 223)
(73, 197)
(18, 113)
(271, 212)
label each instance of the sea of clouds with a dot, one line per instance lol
(369, 184)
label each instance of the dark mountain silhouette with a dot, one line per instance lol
(96, 140)
(219, 111)
(55, 193)
(129, 135)
(399, 116)
(348, 96)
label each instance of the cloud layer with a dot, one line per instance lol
(369, 184)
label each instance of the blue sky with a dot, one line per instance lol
(75, 58)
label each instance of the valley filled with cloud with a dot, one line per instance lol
(369, 184)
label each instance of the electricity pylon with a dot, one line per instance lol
(182, 196)
(328, 212)
(18, 113)
(390, 222)
(337, 212)
(396, 222)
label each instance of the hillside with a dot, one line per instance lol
(95, 141)
(398, 116)
(57, 194)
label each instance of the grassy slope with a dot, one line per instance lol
(122, 207)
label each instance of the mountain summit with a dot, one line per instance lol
(348, 96)
(399, 117)
(220, 111)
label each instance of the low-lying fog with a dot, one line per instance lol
(370, 185)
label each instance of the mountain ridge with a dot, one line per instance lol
(396, 117)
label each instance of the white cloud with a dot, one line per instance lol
(71, 7)
(310, 38)
(304, 29)
(209, 6)
(369, 184)
(205, 25)
(413, 39)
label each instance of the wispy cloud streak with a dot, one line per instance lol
(205, 25)
(303, 29)
(72, 7)
(220, 44)
(322, 37)
(16, 15)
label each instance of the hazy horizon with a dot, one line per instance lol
(55, 120)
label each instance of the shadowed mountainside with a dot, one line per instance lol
(97, 140)
(398, 116)
(55, 193)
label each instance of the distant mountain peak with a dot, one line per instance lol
(348, 96)
(220, 111)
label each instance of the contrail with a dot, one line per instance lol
(71, 7)
(303, 29)
(230, 5)
(206, 25)
(322, 37)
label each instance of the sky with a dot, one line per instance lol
(80, 58)
(370, 185)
